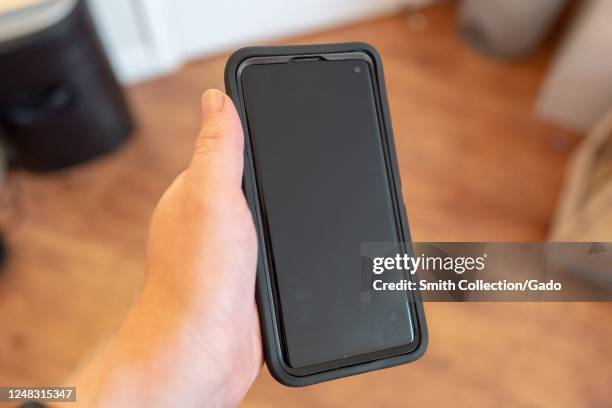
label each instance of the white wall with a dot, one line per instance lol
(207, 29)
(137, 36)
(147, 38)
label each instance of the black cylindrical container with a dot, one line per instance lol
(60, 103)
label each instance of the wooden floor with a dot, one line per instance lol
(475, 163)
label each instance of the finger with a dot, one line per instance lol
(217, 161)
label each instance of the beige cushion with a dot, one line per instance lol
(585, 208)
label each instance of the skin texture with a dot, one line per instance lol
(192, 338)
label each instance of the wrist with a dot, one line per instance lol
(156, 360)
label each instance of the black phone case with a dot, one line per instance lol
(264, 292)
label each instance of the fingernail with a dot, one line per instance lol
(212, 101)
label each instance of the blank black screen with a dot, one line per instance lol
(323, 190)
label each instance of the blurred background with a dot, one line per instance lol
(500, 118)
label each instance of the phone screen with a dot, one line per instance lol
(323, 185)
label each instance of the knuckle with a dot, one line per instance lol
(211, 132)
(208, 141)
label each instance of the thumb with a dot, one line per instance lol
(217, 161)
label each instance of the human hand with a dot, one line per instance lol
(203, 249)
(193, 337)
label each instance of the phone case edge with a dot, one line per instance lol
(266, 314)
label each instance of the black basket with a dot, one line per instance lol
(60, 103)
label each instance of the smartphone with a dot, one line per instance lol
(321, 179)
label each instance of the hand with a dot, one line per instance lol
(193, 337)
